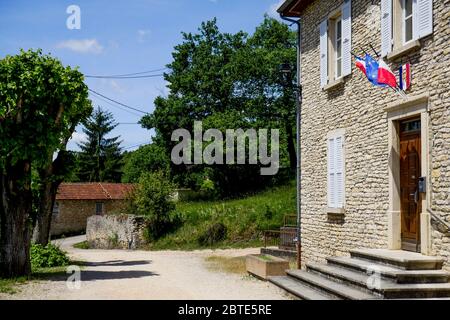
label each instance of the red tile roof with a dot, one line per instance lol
(93, 191)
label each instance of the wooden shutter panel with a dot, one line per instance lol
(386, 27)
(347, 38)
(339, 172)
(323, 53)
(423, 15)
(331, 176)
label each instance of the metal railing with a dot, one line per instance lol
(283, 239)
(442, 225)
(290, 220)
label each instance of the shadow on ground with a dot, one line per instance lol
(116, 263)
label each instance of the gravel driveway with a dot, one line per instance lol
(174, 275)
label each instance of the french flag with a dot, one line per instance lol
(385, 75)
(405, 76)
(361, 65)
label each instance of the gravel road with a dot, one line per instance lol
(174, 275)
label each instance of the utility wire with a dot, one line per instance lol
(116, 106)
(119, 103)
(132, 74)
(133, 77)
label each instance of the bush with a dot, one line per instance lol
(47, 257)
(152, 200)
(213, 234)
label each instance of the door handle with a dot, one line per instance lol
(416, 196)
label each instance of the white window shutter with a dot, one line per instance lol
(386, 27)
(323, 53)
(339, 172)
(331, 175)
(347, 38)
(423, 18)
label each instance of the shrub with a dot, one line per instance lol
(47, 256)
(152, 200)
(213, 234)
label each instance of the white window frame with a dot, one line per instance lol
(337, 60)
(332, 207)
(404, 17)
(56, 209)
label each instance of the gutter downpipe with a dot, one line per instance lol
(298, 100)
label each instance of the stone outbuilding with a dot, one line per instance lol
(75, 202)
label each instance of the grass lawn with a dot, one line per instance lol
(226, 264)
(245, 219)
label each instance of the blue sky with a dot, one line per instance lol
(120, 37)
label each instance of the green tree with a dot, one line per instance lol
(229, 81)
(148, 158)
(100, 159)
(41, 101)
(152, 199)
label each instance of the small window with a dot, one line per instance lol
(338, 47)
(407, 20)
(55, 210)
(99, 208)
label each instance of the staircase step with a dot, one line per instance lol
(395, 274)
(331, 287)
(401, 259)
(299, 289)
(385, 288)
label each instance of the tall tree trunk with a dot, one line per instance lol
(51, 177)
(291, 145)
(15, 226)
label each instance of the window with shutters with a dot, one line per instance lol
(336, 170)
(335, 46)
(403, 23)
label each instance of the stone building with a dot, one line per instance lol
(75, 202)
(375, 165)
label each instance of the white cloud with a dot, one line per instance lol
(82, 46)
(143, 35)
(272, 11)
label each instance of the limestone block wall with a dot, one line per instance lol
(115, 231)
(358, 107)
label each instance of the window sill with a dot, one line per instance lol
(407, 48)
(333, 84)
(335, 211)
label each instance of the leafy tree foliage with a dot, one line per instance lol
(229, 81)
(150, 158)
(41, 102)
(100, 158)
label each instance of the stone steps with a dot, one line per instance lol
(298, 289)
(395, 274)
(370, 274)
(327, 286)
(401, 259)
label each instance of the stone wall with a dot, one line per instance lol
(73, 214)
(358, 107)
(115, 232)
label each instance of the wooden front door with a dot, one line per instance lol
(410, 172)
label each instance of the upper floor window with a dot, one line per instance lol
(407, 20)
(55, 210)
(403, 21)
(335, 45)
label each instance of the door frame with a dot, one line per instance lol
(408, 108)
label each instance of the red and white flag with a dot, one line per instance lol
(385, 75)
(405, 76)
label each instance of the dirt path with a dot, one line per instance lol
(175, 275)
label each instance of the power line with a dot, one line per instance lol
(136, 146)
(119, 103)
(133, 74)
(133, 77)
(115, 106)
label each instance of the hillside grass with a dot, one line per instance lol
(245, 220)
